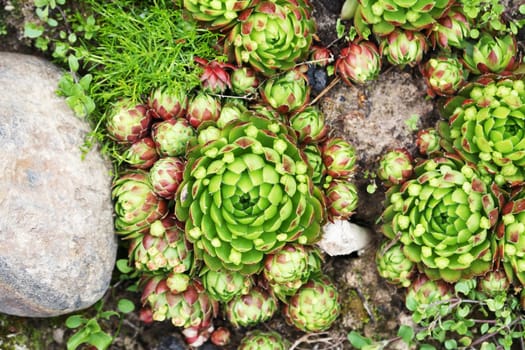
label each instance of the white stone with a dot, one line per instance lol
(343, 238)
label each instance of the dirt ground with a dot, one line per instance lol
(374, 118)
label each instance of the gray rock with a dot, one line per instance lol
(57, 244)
(375, 117)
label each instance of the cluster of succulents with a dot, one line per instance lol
(459, 213)
(403, 32)
(224, 189)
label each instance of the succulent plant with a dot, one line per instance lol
(136, 204)
(172, 136)
(221, 336)
(443, 75)
(224, 285)
(424, 293)
(315, 160)
(287, 269)
(493, 283)
(338, 157)
(215, 77)
(203, 107)
(385, 16)
(485, 125)
(451, 30)
(208, 133)
(511, 235)
(321, 55)
(272, 36)
(217, 15)
(358, 62)
(491, 54)
(162, 249)
(402, 47)
(259, 340)
(128, 121)
(166, 104)
(395, 166)
(250, 309)
(393, 265)
(192, 309)
(341, 199)
(244, 81)
(142, 154)
(286, 93)
(231, 110)
(444, 218)
(427, 141)
(315, 306)
(166, 175)
(309, 124)
(247, 194)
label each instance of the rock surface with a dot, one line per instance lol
(57, 244)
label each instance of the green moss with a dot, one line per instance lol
(18, 333)
(353, 305)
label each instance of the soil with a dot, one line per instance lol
(374, 118)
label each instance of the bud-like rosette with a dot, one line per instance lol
(286, 93)
(224, 285)
(491, 54)
(128, 121)
(486, 127)
(427, 141)
(395, 167)
(445, 219)
(191, 308)
(244, 81)
(203, 107)
(315, 160)
(451, 30)
(338, 157)
(511, 234)
(259, 340)
(251, 309)
(321, 56)
(221, 336)
(216, 15)
(167, 104)
(385, 16)
(172, 137)
(341, 198)
(358, 63)
(163, 249)
(443, 75)
(166, 175)
(215, 77)
(425, 294)
(493, 283)
(315, 306)
(142, 154)
(136, 204)
(247, 194)
(309, 124)
(404, 47)
(393, 265)
(231, 110)
(272, 36)
(287, 270)
(208, 133)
